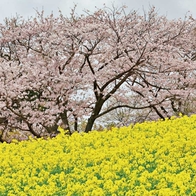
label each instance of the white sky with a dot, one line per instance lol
(26, 8)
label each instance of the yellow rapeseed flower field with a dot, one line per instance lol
(151, 158)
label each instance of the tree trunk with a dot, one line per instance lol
(159, 114)
(75, 122)
(1, 138)
(32, 130)
(65, 121)
(90, 123)
(94, 115)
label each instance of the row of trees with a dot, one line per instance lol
(64, 71)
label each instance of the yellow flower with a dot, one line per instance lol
(150, 158)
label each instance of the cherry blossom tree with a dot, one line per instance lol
(62, 71)
(149, 56)
(35, 81)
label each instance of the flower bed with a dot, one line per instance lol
(151, 158)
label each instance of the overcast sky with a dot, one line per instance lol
(173, 9)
